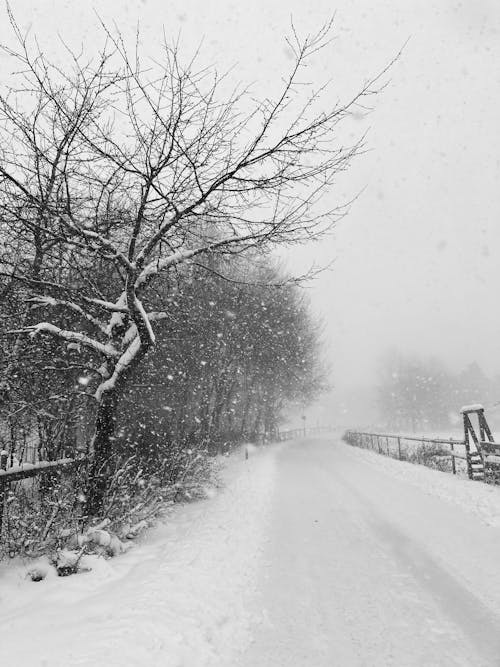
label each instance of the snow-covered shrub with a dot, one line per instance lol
(136, 491)
(432, 455)
(35, 514)
(47, 514)
(67, 562)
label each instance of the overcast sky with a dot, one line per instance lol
(418, 258)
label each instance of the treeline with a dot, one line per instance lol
(235, 346)
(232, 356)
(138, 207)
(418, 394)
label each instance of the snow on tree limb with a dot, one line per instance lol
(107, 305)
(107, 350)
(44, 301)
(117, 318)
(121, 365)
(157, 266)
(140, 309)
(131, 332)
(99, 240)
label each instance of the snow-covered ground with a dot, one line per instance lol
(179, 598)
(312, 554)
(481, 500)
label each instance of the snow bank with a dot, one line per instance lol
(477, 498)
(179, 598)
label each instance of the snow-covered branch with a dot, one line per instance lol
(118, 317)
(46, 301)
(99, 241)
(108, 305)
(121, 366)
(105, 349)
(161, 264)
(145, 319)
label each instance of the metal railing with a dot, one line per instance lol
(393, 445)
(306, 432)
(481, 462)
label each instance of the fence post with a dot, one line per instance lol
(387, 445)
(3, 466)
(453, 464)
(399, 448)
(467, 443)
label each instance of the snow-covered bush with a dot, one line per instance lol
(432, 455)
(35, 514)
(135, 492)
(47, 516)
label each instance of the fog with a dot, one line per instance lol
(158, 440)
(415, 262)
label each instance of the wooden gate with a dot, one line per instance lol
(483, 453)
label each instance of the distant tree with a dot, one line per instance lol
(472, 385)
(413, 393)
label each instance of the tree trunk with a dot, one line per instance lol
(258, 419)
(102, 452)
(104, 436)
(246, 408)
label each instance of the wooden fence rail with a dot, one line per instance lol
(305, 432)
(433, 450)
(381, 442)
(26, 470)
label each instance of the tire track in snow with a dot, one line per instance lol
(345, 583)
(476, 620)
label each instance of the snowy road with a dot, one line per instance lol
(315, 554)
(366, 569)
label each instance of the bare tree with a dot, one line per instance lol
(112, 173)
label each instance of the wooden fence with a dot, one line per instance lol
(393, 445)
(9, 475)
(481, 460)
(296, 433)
